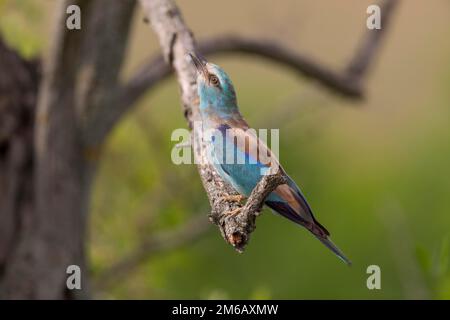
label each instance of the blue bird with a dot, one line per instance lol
(250, 157)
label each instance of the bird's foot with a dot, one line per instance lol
(233, 198)
(233, 212)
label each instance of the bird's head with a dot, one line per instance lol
(215, 88)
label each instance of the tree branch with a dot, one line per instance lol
(370, 44)
(101, 61)
(176, 41)
(337, 82)
(160, 242)
(348, 83)
(236, 229)
(124, 97)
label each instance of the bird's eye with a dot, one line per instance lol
(214, 80)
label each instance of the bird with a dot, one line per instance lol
(234, 140)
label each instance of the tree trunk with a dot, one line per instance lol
(43, 192)
(18, 93)
(47, 160)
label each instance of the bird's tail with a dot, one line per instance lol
(323, 235)
(313, 226)
(330, 245)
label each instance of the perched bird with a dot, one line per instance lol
(219, 112)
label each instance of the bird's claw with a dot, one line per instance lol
(233, 198)
(233, 212)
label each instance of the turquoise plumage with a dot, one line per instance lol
(240, 157)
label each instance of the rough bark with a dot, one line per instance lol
(18, 93)
(80, 71)
(177, 41)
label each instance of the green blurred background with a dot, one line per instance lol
(377, 172)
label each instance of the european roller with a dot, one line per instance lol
(241, 158)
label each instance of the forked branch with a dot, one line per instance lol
(177, 41)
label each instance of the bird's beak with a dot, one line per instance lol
(200, 64)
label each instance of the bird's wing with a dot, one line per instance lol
(286, 199)
(246, 140)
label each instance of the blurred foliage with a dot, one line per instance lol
(345, 181)
(349, 158)
(18, 20)
(435, 267)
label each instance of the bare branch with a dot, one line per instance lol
(101, 59)
(370, 44)
(177, 40)
(160, 242)
(337, 82)
(237, 228)
(124, 97)
(347, 83)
